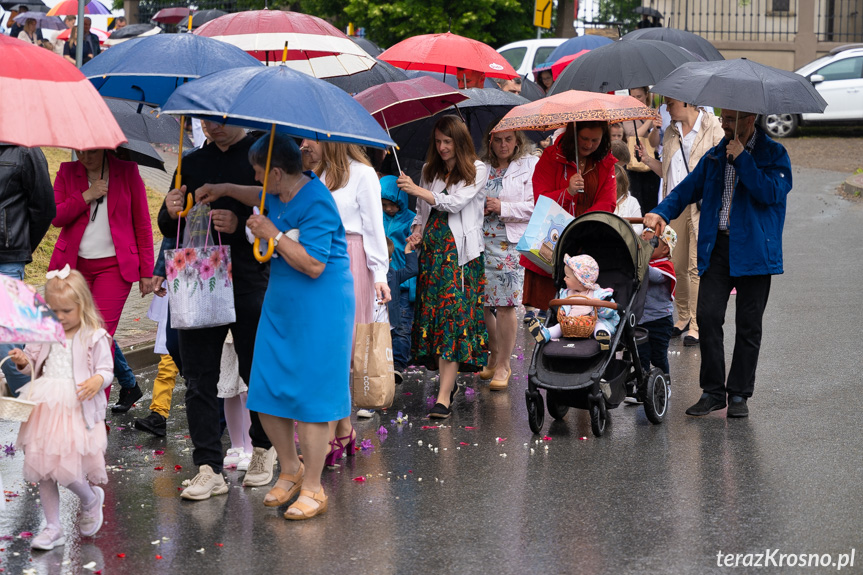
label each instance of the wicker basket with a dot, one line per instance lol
(578, 326)
(14, 409)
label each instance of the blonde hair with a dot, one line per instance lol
(335, 159)
(622, 181)
(74, 288)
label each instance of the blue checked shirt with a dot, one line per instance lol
(730, 180)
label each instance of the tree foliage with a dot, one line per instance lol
(619, 11)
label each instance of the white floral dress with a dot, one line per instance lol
(504, 275)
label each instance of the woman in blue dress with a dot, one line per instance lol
(294, 376)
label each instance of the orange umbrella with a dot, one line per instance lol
(556, 111)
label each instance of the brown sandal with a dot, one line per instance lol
(306, 511)
(281, 496)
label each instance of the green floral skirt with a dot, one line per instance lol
(448, 316)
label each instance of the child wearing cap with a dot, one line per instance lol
(658, 317)
(580, 275)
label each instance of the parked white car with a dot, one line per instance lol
(525, 55)
(838, 77)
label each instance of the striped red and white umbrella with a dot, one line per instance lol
(50, 102)
(315, 46)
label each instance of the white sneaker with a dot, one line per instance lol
(233, 457)
(91, 519)
(206, 483)
(49, 538)
(260, 471)
(244, 461)
(365, 413)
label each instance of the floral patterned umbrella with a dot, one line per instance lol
(573, 106)
(24, 315)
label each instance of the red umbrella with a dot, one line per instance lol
(70, 8)
(558, 66)
(49, 102)
(447, 53)
(101, 34)
(315, 46)
(171, 15)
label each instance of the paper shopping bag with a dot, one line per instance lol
(546, 224)
(374, 384)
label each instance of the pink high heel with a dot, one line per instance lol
(338, 447)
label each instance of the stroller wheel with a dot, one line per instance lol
(535, 410)
(556, 408)
(598, 418)
(656, 396)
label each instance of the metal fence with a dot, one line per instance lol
(735, 20)
(839, 20)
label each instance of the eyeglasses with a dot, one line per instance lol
(732, 119)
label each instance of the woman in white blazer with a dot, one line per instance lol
(448, 329)
(508, 206)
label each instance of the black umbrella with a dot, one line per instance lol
(531, 90)
(140, 122)
(141, 153)
(692, 42)
(380, 73)
(620, 66)
(647, 11)
(370, 47)
(32, 7)
(741, 85)
(131, 31)
(201, 17)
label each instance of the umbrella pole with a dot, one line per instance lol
(730, 158)
(265, 257)
(179, 178)
(460, 115)
(396, 156)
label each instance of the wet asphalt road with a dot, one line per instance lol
(480, 495)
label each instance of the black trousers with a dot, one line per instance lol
(644, 187)
(201, 352)
(713, 294)
(655, 349)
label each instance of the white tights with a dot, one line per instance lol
(50, 495)
(239, 421)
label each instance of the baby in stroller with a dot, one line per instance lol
(580, 275)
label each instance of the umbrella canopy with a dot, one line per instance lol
(621, 65)
(134, 30)
(647, 11)
(368, 46)
(141, 153)
(561, 64)
(397, 103)
(449, 80)
(245, 96)
(380, 73)
(70, 8)
(531, 90)
(576, 45)
(101, 34)
(446, 53)
(201, 17)
(692, 42)
(148, 69)
(55, 105)
(142, 122)
(42, 20)
(574, 106)
(741, 85)
(31, 6)
(171, 15)
(315, 46)
(24, 315)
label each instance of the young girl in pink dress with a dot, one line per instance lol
(64, 440)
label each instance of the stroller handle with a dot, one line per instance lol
(583, 301)
(634, 220)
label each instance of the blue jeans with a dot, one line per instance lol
(402, 334)
(122, 371)
(655, 351)
(14, 378)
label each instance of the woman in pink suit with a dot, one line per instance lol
(105, 234)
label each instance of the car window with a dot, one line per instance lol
(847, 69)
(515, 56)
(542, 55)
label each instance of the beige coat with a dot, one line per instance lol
(709, 134)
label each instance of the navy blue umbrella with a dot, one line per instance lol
(277, 98)
(576, 45)
(148, 69)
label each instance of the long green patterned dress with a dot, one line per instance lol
(448, 317)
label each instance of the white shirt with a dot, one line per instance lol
(677, 172)
(97, 241)
(628, 207)
(359, 203)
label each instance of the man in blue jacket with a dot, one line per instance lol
(743, 184)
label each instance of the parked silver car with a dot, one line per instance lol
(838, 77)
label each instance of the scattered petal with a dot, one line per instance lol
(220, 544)
(468, 391)
(500, 439)
(121, 555)
(360, 479)
(159, 468)
(201, 550)
(407, 393)
(366, 444)
(91, 565)
(159, 452)
(463, 443)
(382, 430)
(582, 438)
(25, 534)
(430, 427)
(546, 438)
(158, 556)
(9, 449)
(469, 427)
(178, 467)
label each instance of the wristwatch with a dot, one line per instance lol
(276, 239)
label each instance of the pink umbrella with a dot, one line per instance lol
(55, 105)
(559, 65)
(171, 15)
(24, 315)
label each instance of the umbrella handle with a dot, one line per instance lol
(263, 257)
(189, 203)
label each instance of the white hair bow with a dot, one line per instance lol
(62, 273)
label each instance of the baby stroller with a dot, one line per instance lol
(579, 372)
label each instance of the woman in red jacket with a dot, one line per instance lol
(578, 174)
(105, 233)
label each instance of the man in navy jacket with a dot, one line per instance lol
(743, 184)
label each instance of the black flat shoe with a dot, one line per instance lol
(440, 411)
(677, 332)
(127, 398)
(737, 407)
(690, 341)
(705, 405)
(153, 423)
